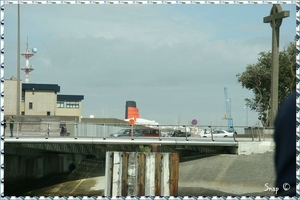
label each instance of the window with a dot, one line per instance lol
(23, 96)
(72, 104)
(67, 104)
(22, 113)
(48, 113)
(30, 105)
(60, 104)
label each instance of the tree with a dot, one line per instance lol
(257, 78)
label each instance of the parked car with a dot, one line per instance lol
(179, 133)
(150, 132)
(126, 133)
(219, 134)
(164, 134)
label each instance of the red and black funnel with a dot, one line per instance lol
(131, 111)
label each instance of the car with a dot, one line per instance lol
(219, 134)
(164, 134)
(179, 133)
(126, 133)
(150, 132)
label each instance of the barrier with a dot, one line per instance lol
(80, 130)
(141, 174)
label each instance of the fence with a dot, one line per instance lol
(39, 129)
(92, 130)
(98, 130)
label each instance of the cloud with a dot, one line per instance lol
(172, 60)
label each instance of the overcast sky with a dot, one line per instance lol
(173, 60)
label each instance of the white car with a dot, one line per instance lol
(219, 134)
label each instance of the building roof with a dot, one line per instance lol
(61, 97)
(51, 87)
(37, 86)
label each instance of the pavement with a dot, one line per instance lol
(219, 175)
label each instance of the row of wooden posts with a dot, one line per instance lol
(141, 174)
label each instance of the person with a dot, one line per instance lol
(11, 126)
(285, 147)
(4, 126)
(48, 129)
(63, 131)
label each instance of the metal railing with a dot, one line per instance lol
(92, 130)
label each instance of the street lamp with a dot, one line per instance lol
(18, 66)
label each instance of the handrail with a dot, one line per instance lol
(128, 141)
(103, 130)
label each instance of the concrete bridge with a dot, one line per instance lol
(32, 157)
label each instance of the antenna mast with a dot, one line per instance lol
(28, 68)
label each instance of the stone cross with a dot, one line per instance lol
(275, 20)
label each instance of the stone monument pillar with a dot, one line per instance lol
(275, 20)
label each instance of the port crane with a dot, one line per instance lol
(228, 111)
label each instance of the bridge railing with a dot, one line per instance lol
(97, 130)
(104, 130)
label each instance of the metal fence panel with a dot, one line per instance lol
(97, 130)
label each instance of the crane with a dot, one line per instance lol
(228, 111)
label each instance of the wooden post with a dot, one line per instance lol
(141, 174)
(165, 175)
(174, 170)
(155, 147)
(158, 169)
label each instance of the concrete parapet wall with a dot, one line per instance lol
(246, 148)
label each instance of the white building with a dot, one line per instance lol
(40, 99)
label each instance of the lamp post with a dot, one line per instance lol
(18, 65)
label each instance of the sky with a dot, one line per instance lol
(173, 60)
